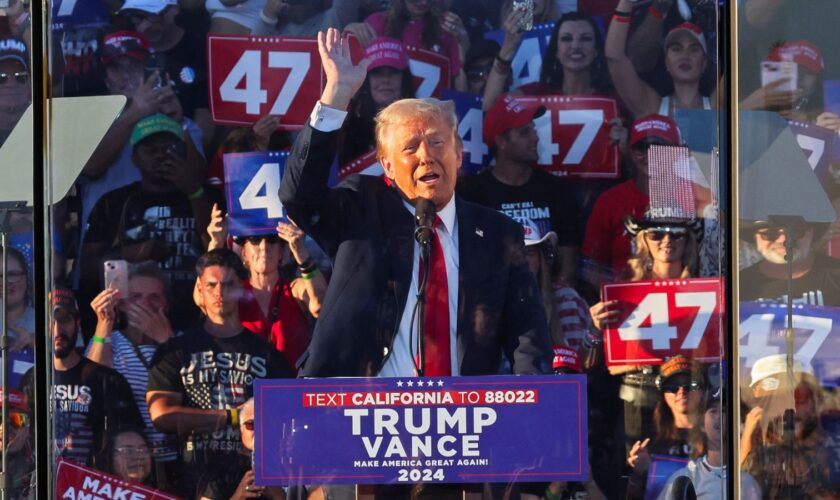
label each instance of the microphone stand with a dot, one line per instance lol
(421, 305)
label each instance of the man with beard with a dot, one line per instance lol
(794, 461)
(87, 398)
(816, 279)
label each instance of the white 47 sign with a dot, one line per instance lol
(249, 77)
(660, 319)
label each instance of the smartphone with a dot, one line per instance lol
(527, 6)
(5, 4)
(116, 276)
(772, 71)
(154, 62)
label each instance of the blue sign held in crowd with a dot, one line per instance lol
(471, 129)
(527, 61)
(251, 184)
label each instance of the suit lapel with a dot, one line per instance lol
(399, 242)
(469, 269)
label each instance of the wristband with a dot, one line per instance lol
(198, 193)
(655, 13)
(620, 19)
(234, 417)
(310, 275)
(101, 340)
(549, 495)
(267, 20)
(503, 62)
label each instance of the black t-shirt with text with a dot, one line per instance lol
(213, 374)
(545, 199)
(818, 287)
(88, 400)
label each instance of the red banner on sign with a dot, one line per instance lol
(77, 481)
(663, 318)
(367, 164)
(575, 136)
(249, 77)
(431, 71)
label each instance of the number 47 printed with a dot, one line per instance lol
(663, 318)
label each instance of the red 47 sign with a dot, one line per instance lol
(574, 136)
(431, 71)
(250, 77)
(660, 319)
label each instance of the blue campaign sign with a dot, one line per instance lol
(19, 363)
(816, 331)
(661, 468)
(251, 184)
(421, 430)
(79, 14)
(527, 62)
(818, 145)
(471, 130)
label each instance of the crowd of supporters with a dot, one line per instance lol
(138, 389)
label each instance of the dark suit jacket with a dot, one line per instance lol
(364, 227)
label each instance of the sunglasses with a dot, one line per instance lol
(248, 424)
(19, 76)
(771, 234)
(258, 238)
(676, 233)
(675, 387)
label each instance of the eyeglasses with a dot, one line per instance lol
(675, 387)
(770, 234)
(14, 276)
(248, 424)
(676, 233)
(133, 450)
(19, 76)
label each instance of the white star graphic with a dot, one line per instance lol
(399, 383)
(419, 383)
(440, 383)
(410, 383)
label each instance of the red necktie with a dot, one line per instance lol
(436, 342)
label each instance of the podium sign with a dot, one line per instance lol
(421, 430)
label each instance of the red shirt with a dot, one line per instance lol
(606, 240)
(286, 327)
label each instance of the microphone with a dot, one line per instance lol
(424, 219)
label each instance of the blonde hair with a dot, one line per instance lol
(641, 263)
(410, 110)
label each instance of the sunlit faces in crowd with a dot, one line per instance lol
(422, 153)
(152, 158)
(246, 424)
(576, 45)
(220, 290)
(261, 253)
(770, 243)
(666, 244)
(385, 85)
(148, 292)
(683, 395)
(131, 458)
(685, 57)
(519, 144)
(64, 327)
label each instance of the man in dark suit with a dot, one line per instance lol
(489, 303)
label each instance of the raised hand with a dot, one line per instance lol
(343, 77)
(296, 240)
(218, 228)
(639, 458)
